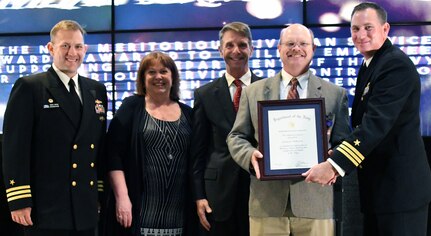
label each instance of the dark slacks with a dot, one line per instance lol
(238, 223)
(409, 223)
(32, 231)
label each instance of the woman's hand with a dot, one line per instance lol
(123, 211)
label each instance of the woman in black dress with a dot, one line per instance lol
(148, 145)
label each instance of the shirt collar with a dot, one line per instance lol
(64, 78)
(245, 79)
(368, 61)
(302, 79)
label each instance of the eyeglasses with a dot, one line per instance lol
(299, 44)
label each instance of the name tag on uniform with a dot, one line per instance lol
(51, 104)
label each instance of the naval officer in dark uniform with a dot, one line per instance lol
(385, 146)
(54, 128)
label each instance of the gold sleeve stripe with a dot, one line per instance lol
(100, 185)
(348, 156)
(19, 197)
(358, 154)
(351, 154)
(17, 188)
(20, 192)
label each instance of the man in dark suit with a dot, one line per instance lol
(221, 187)
(288, 207)
(386, 145)
(54, 129)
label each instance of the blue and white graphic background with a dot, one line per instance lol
(188, 31)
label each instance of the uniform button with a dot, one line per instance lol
(92, 146)
(92, 164)
(73, 183)
(74, 165)
(91, 183)
(75, 146)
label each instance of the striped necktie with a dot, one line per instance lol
(293, 91)
(237, 94)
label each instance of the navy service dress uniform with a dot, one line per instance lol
(386, 144)
(51, 155)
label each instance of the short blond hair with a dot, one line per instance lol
(66, 25)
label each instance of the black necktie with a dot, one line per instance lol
(360, 80)
(74, 98)
(362, 70)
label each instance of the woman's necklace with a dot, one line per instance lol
(170, 156)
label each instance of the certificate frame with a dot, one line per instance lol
(292, 120)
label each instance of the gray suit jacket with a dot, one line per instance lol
(270, 198)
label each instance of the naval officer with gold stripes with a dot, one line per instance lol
(54, 128)
(385, 146)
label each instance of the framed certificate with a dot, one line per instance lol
(292, 137)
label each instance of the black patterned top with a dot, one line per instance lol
(164, 147)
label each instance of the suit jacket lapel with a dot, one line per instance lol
(364, 78)
(223, 99)
(314, 87)
(59, 92)
(361, 81)
(272, 88)
(88, 104)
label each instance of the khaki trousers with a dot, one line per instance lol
(284, 226)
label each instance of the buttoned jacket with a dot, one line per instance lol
(50, 159)
(270, 198)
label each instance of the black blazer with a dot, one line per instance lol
(50, 163)
(122, 154)
(215, 174)
(386, 143)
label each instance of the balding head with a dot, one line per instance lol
(296, 49)
(296, 29)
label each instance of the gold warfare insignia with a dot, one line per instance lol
(367, 88)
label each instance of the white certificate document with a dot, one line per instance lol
(292, 138)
